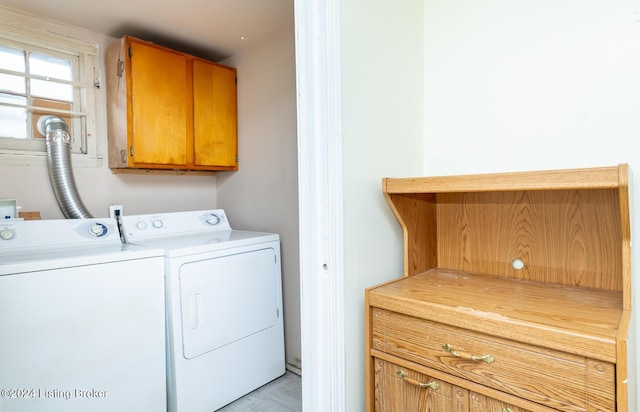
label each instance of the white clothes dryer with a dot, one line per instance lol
(82, 325)
(224, 305)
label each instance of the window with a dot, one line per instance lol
(43, 73)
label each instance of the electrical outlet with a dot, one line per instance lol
(116, 210)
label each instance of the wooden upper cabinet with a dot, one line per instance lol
(169, 110)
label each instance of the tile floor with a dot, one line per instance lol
(281, 395)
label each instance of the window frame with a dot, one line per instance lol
(16, 31)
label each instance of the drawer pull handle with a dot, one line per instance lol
(433, 384)
(475, 358)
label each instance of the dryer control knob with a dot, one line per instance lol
(98, 230)
(141, 225)
(213, 219)
(7, 234)
(158, 223)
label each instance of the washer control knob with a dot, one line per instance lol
(141, 225)
(98, 229)
(7, 234)
(158, 223)
(213, 219)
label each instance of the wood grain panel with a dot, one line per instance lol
(472, 387)
(482, 403)
(625, 224)
(417, 216)
(556, 379)
(160, 99)
(570, 319)
(215, 114)
(568, 237)
(625, 365)
(117, 104)
(591, 178)
(398, 395)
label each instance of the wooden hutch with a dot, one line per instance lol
(516, 295)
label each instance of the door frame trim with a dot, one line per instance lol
(317, 31)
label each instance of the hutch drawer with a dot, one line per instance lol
(413, 391)
(560, 380)
(401, 389)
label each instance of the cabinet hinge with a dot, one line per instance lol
(131, 151)
(236, 80)
(130, 53)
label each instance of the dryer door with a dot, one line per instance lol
(227, 298)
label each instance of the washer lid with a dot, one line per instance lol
(36, 259)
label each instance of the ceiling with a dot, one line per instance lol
(213, 29)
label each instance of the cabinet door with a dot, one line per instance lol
(159, 106)
(399, 389)
(482, 403)
(214, 115)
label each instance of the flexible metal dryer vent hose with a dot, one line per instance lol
(58, 142)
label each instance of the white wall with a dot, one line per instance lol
(97, 186)
(382, 74)
(532, 84)
(263, 194)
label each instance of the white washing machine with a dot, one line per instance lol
(82, 325)
(224, 306)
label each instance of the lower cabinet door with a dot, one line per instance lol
(398, 389)
(482, 403)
